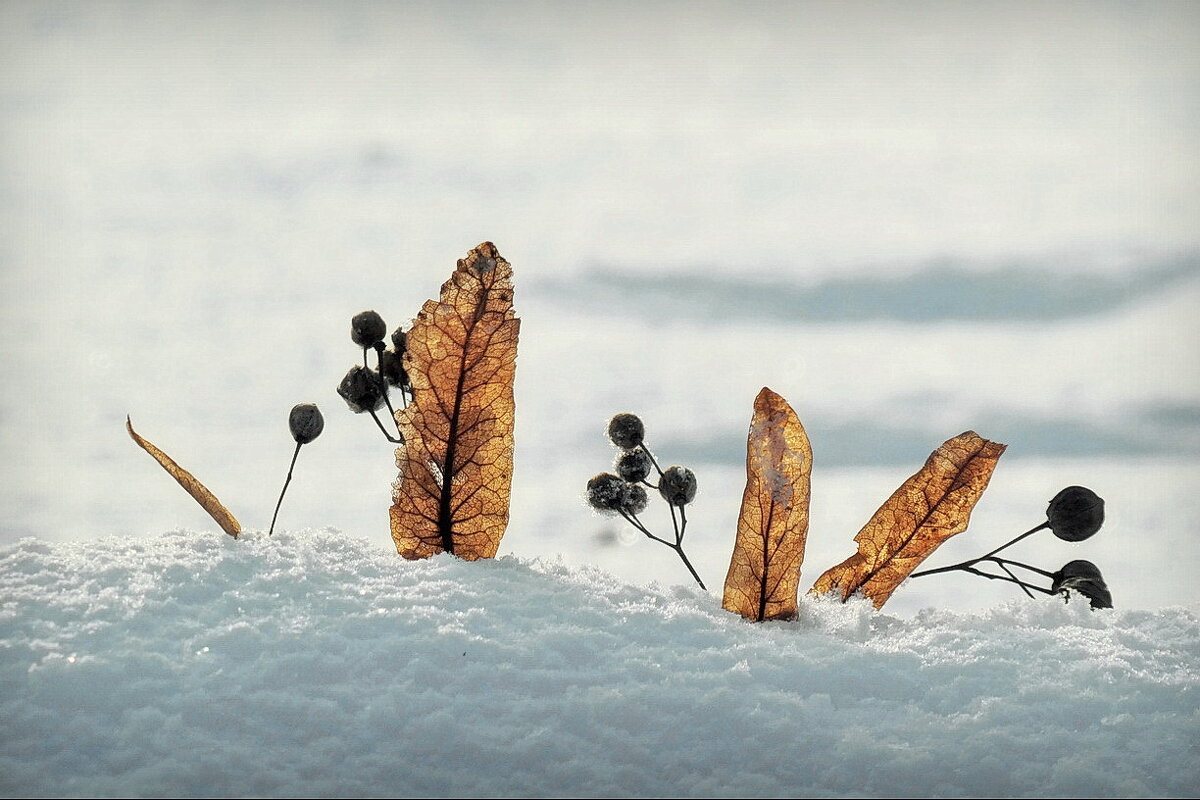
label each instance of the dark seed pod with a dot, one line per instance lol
(634, 465)
(677, 486)
(305, 422)
(367, 328)
(636, 500)
(400, 340)
(626, 430)
(607, 492)
(1075, 513)
(361, 390)
(1085, 578)
(392, 368)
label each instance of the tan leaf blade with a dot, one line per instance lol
(456, 463)
(207, 500)
(927, 509)
(764, 572)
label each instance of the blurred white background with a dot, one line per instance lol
(909, 219)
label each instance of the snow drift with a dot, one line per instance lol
(311, 663)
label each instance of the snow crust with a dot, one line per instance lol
(312, 663)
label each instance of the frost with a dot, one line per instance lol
(313, 664)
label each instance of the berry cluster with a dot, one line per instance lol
(1074, 514)
(624, 493)
(365, 389)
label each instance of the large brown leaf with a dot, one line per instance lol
(764, 572)
(925, 511)
(456, 464)
(207, 500)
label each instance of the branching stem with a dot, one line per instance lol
(1021, 583)
(1004, 561)
(1009, 573)
(677, 545)
(389, 437)
(985, 557)
(383, 386)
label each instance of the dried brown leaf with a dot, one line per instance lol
(187, 480)
(456, 464)
(764, 572)
(927, 509)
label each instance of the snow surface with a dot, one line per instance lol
(312, 663)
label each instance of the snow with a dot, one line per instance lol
(313, 663)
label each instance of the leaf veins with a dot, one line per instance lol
(207, 500)
(927, 509)
(456, 464)
(764, 572)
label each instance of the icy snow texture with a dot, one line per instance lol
(312, 663)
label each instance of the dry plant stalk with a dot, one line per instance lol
(764, 572)
(927, 509)
(188, 481)
(456, 463)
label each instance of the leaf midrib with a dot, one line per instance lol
(925, 518)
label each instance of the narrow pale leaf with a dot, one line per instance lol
(927, 509)
(207, 500)
(764, 572)
(456, 463)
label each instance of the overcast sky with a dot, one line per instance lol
(747, 134)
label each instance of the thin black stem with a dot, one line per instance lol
(1009, 573)
(291, 466)
(984, 557)
(383, 385)
(1003, 561)
(691, 569)
(635, 522)
(653, 461)
(676, 546)
(1029, 532)
(679, 547)
(389, 437)
(990, 576)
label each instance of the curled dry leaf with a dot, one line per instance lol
(764, 572)
(188, 481)
(925, 511)
(456, 464)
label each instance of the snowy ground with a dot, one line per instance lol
(190, 664)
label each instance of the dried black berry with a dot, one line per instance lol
(400, 340)
(392, 367)
(361, 390)
(635, 500)
(1075, 513)
(305, 422)
(367, 328)
(677, 486)
(626, 430)
(607, 492)
(634, 465)
(1085, 578)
